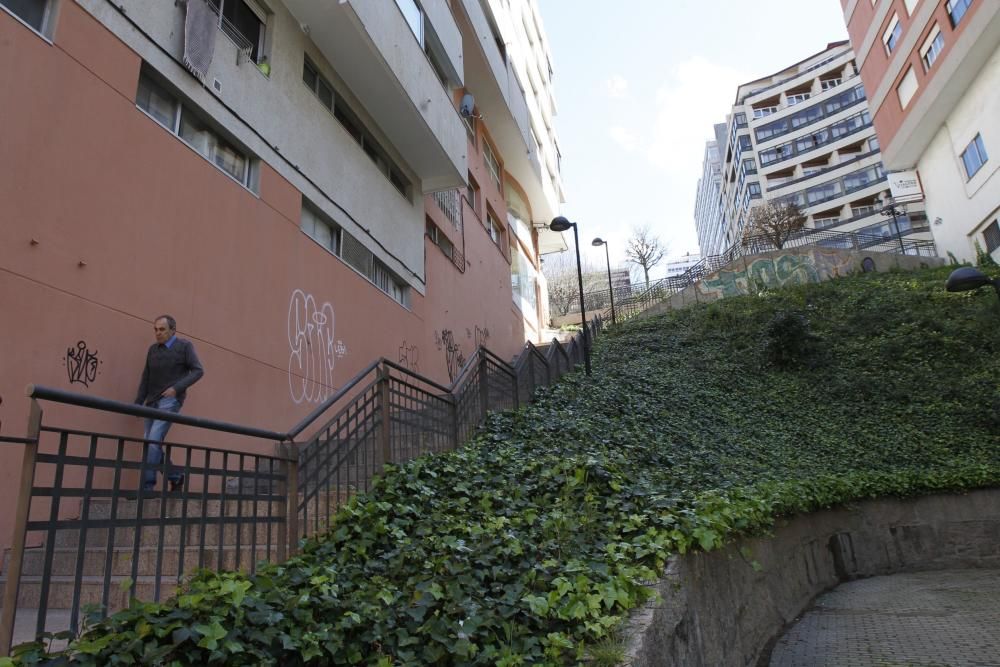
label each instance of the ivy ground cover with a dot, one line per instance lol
(530, 545)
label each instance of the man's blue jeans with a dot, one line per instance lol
(156, 431)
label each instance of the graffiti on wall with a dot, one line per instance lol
(409, 357)
(82, 364)
(482, 336)
(313, 349)
(769, 272)
(453, 357)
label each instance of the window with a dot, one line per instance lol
(860, 211)
(741, 120)
(492, 164)
(798, 98)
(316, 83)
(892, 34)
(472, 194)
(749, 166)
(932, 47)
(764, 111)
(32, 12)
(910, 4)
(823, 223)
(992, 236)
(189, 125)
(956, 10)
(493, 228)
(974, 156)
(438, 238)
(243, 21)
(907, 87)
(827, 84)
(754, 190)
(414, 17)
(352, 252)
(325, 94)
(320, 229)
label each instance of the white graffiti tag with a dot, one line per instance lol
(313, 348)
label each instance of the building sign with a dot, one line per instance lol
(905, 187)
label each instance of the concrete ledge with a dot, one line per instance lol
(727, 606)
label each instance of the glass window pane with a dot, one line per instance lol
(156, 102)
(31, 12)
(309, 75)
(325, 94)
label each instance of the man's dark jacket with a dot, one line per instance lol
(176, 366)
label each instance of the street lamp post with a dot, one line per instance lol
(889, 207)
(611, 288)
(561, 224)
(968, 278)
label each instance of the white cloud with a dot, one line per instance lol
(697, 95)
(616, 86)
(623, 137)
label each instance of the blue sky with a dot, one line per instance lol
(639, 84)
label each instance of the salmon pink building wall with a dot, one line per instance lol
(108, 220)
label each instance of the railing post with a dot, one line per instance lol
(288, 530)
(7, 616)
(455, 431)
(531, 372)
(385, 429)
(484, 384)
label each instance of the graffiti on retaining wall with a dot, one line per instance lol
(453, 357)
(409, 357)
(82, 365)
(313, 349)
(769, 272)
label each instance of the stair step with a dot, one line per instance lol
(64, 560)
(150, 535)
(91, 591)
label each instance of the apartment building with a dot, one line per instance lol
(708, 202)
(805, 135)
(306, 186)
(932, 69)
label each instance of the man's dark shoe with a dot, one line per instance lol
(175, 485)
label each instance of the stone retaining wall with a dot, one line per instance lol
(726, 607)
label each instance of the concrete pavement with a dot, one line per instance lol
(947, 618)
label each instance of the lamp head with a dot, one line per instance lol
(561, 224)
(598, 242)
(966, 278)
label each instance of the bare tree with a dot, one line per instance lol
(775, 221)
(644, 250)
(563, 283)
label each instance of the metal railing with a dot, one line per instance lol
(633, 299)
(394, 415)
(85, 536)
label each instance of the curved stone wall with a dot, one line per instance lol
(725, 607)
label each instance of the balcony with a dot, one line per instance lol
(375, 52)
(501, 99)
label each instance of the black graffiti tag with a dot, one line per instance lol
(81, 364)
(452, 352)
(409, 356)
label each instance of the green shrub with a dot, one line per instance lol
(788, 339)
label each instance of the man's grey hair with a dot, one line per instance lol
(171, 322)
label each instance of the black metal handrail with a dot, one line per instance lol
(109, 405)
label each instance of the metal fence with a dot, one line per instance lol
(633, 299)
(395, 415)
(85, 536)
